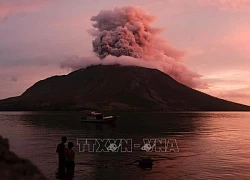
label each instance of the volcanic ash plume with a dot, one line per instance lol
(127, 31)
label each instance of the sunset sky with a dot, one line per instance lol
(37, 35)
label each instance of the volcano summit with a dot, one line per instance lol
(115, 87)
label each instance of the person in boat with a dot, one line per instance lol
(61, 156)
(70, 156)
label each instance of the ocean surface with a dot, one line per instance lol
(212, 145)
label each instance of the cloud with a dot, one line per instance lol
(75, 62)
(11, 7)
(227, 5)
(234, 95)
(239, 95)
(231, 85)
(15, 80)
(127, 31)
(125, 36)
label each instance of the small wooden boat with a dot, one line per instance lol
(95, 117)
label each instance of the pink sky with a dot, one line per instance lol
(36, 35)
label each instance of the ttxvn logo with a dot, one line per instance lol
(126, 145)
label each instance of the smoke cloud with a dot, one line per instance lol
(75, 63)
(125, 36)
(127, 31)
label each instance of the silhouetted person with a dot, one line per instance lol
(70, 156)
(61, 156)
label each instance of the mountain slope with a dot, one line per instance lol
(115, 87)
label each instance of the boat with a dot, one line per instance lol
(96, 117)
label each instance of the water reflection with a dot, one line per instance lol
(212, 145)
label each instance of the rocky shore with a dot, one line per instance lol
(14, 167)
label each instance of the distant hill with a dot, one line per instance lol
(116, 87)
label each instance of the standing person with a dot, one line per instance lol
(61, 156)
(70, 156)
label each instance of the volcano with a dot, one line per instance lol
(115, 87)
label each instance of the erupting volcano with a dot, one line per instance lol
(125, 36)
(134, 69)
